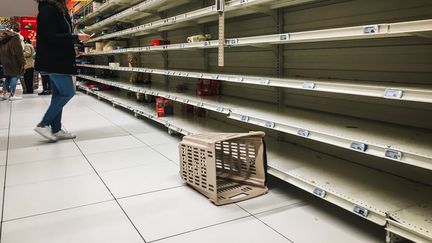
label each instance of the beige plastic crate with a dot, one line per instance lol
(225, 167)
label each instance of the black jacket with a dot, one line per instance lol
(55, 42)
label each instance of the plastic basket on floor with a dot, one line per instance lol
(225, 167)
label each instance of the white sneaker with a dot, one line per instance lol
(12, 98)
(46, 133)
(62, 134)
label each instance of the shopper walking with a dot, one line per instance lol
(12, 58)
(55, 56)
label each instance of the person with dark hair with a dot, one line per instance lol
(55, 56)
(12, 58)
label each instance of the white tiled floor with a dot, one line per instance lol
(119, 182)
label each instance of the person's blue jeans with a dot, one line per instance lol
(10, 84)
(62, 92)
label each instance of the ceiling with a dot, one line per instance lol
(18, 8)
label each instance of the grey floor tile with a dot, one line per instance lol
(171, 212)
(142, 179)
(121, 159)
(48, 196)
(109, 144)
(321, 222)
(103, 222)
(247, 230)
(45, 170)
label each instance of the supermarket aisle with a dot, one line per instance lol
(118, 182)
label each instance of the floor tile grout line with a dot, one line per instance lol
(4, 180)
(158, 162)
(115, 199)
(201, 228)
(58, 210)
(51, 180)
(254, 216)
(133, 166)
(43, 160)
(130, 134)
(103, 152)
(150, 192)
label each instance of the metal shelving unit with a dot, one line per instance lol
(233, 8)
(401, 29)
(406, 92)
(324, 176)
(402, 206)
(143, 9)
(107, 8)
(396, 143)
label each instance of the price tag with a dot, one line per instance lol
(232, 42)
(244, 118)
(393, 93)
(393, 154)
(361, 147)
(371, 29)
(361, 211)
(265, 82)
(284, 37)
(303, 133)
(308, 85)
(270, 124)
(319, 192)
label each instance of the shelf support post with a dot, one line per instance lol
(280, 63)
(220, 7)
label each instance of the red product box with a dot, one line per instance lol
(164, 107)
(159, 42)
(160, 107)
(208, 87)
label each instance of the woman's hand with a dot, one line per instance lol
(83, 37)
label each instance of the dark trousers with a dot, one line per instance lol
(46, 83)
(28, 80)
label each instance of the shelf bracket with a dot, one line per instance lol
(394, 238)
